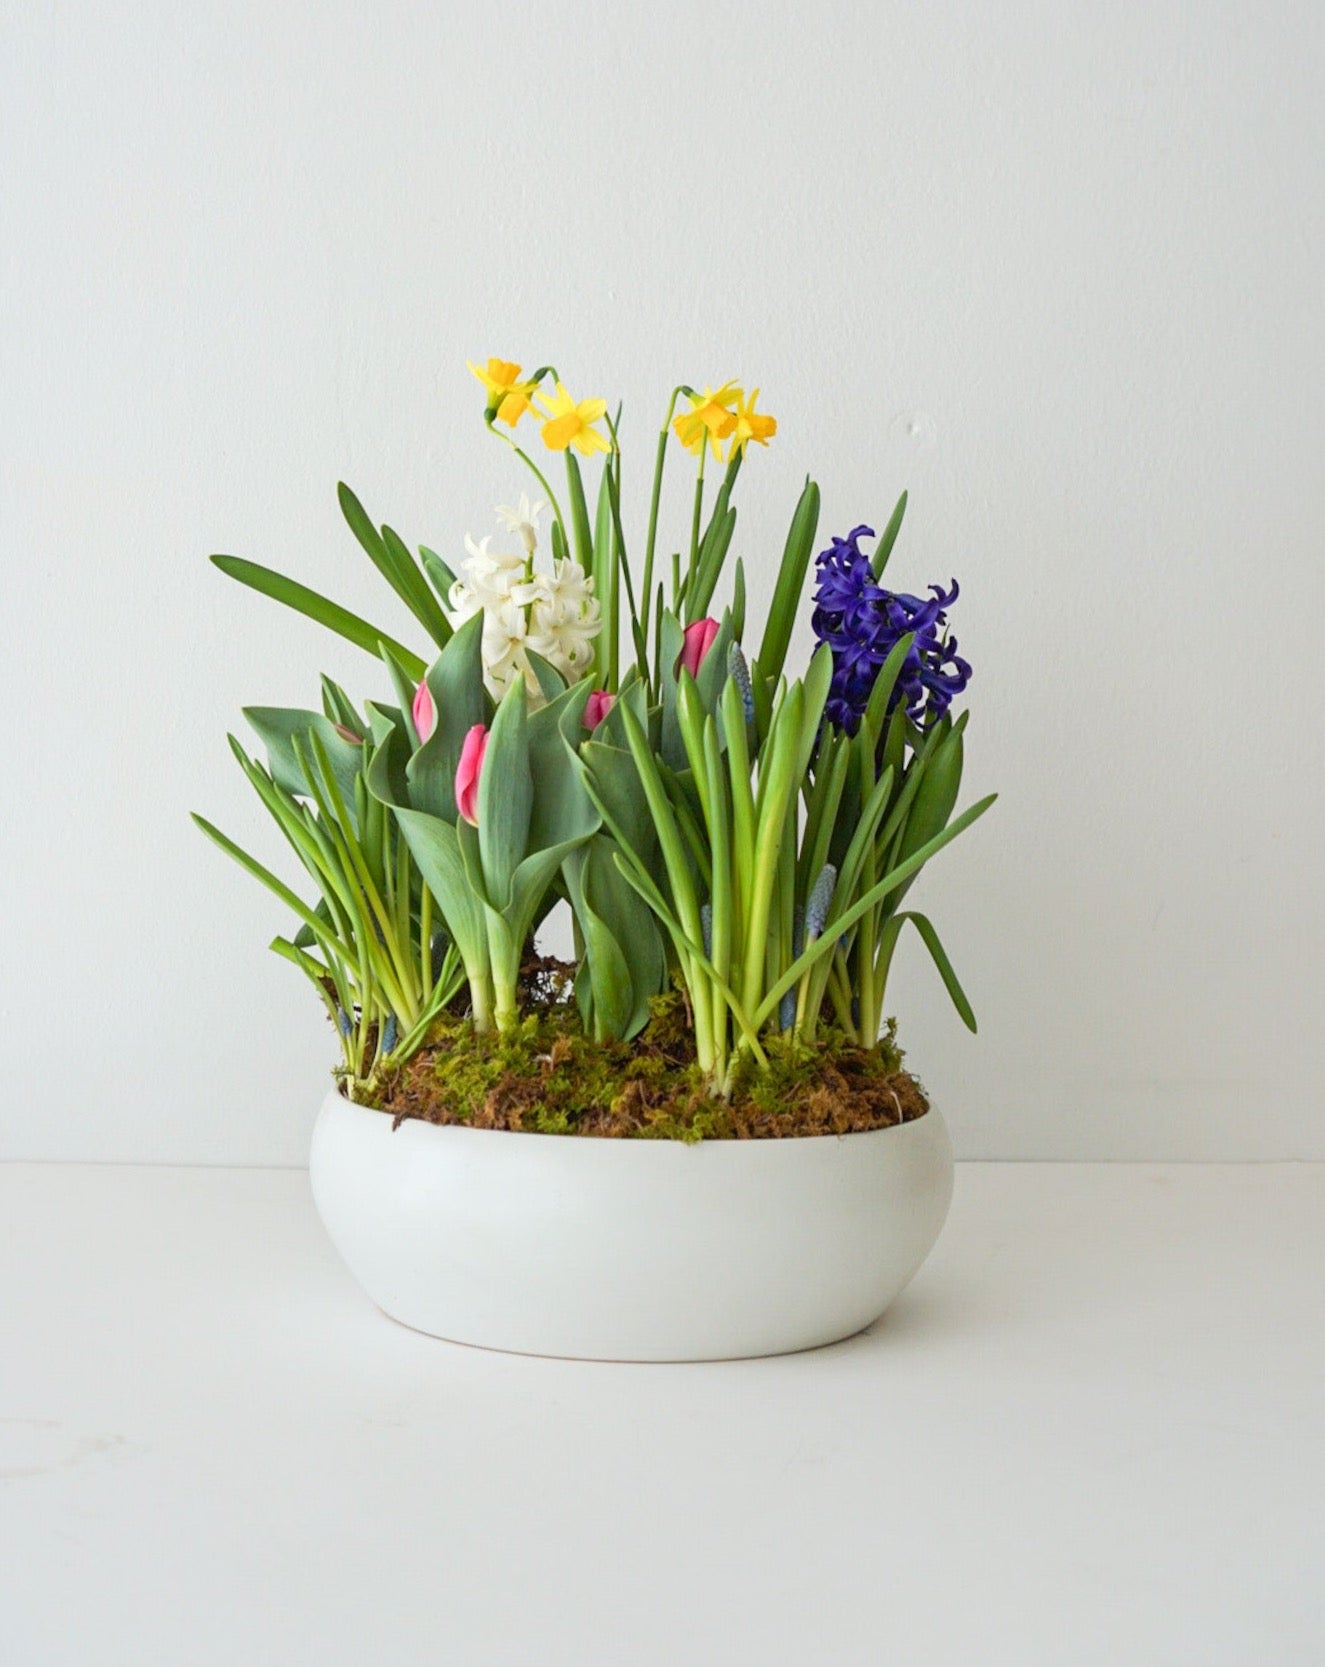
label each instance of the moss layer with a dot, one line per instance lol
(548, 1077)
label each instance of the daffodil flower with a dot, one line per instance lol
(508, 397)
(570, 424)
(750, 424)
(709, 420)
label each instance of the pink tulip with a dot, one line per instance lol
(596, 708)
(468, 771)
(425, 712)
(699, 638)
(348, 735)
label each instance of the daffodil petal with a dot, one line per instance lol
(558, 432)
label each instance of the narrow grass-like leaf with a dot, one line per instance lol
(875, 895)
(951, 983)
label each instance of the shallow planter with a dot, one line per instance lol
(629, 1249)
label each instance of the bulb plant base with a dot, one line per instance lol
(646, 1250)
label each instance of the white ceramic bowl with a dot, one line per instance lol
(629, 1249)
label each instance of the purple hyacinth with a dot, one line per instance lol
(861, 622)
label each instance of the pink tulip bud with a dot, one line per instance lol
(468, 771)
(425, 711)
(699, 638)
(596, 708)
(348, 735)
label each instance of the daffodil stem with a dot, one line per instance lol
(653, 510)
(538, 475)
(698, 512)
(638, 630)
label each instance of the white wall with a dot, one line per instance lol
(1056, 270)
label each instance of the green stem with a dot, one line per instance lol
(654, 501)
(425, 944)
(695, 517)
(538, 474)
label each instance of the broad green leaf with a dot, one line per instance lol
(420, 600)
(455, 680)
(884, 548)
(562, 808)
(315, 607)
(505, 796)
(279, 727)
(440, 576)
(712, 553)
(616, 779)
(609, 985)
(581, 535)
(937, 795)
(876, 708)
(790, 583)
(340, 708)
(393, 561)
(604, 571)
(550, 681)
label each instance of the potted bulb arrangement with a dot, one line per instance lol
(696, 1139)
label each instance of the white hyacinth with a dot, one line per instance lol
(555, 615)
(522, 521)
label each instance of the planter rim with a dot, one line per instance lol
(336, 1096)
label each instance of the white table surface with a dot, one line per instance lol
(1092, 1431)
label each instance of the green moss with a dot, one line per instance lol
(547, 1076)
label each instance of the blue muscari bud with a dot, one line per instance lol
(821, 896)
(706, 921)
(343, 1021)
(390, 1034)
(787, 1010)
(739, 672)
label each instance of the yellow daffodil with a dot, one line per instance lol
(750, 424)
(508, 397)
(709, 419)
(569, 424)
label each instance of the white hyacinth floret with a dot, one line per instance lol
(555, 615)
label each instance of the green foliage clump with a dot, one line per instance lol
(548, 1075)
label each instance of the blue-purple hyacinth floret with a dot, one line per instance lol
(861, 622)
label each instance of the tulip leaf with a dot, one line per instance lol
(505, 796)
(281, 729)
(455, 680)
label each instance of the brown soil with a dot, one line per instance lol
(549, 1077)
